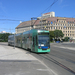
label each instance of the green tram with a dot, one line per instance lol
(36, 40)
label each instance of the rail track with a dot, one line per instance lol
(47, 57)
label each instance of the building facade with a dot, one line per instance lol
(66, 25)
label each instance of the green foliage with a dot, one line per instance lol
(51, 35)
(4, 37)
(58, 33)
(66, 38)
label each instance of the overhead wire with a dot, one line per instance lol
(7, 29)
(47, 8)
(11, 20)
(8, 20)
(37, 16)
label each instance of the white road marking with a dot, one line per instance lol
(50, 70)
(42, 69)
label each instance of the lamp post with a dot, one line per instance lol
(14, 40)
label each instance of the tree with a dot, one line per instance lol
(58, 34)
(51, 35)
(66, 39)
(4, 37)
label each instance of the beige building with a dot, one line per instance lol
(66, 25)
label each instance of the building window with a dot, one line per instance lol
(51, 27)
(56, 27)
(66, 31)
(66, 34)
(68, 22)
(51, 22)
(66, 27)
(48, 21)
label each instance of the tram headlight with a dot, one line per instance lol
(39, 47)
(38, 31)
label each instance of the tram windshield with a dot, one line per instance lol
(43, 40)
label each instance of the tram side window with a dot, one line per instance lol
(23, 39)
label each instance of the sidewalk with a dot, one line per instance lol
(10, 53)
(20, 62)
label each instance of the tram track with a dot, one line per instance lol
(47, 57)
(69, 60)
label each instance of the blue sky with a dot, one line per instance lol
(25, 9)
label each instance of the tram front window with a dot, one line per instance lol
(43, 40)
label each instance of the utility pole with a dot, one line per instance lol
(14, 40)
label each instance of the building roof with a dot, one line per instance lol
(24, 24)
(53, 19)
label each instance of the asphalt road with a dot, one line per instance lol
(61, 59)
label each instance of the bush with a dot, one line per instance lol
(66, 39)
(4, 37)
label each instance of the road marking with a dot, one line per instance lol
(50, 70)
(42, 69)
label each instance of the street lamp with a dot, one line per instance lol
(14, 40)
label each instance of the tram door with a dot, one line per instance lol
(34, 43)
